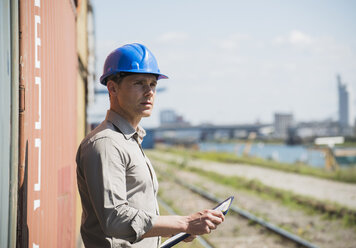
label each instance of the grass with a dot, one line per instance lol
(287, 198)
(342, 174)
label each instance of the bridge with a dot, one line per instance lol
(186, 134)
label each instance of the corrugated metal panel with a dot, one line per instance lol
(82, 32)
(48, 60)
(82, 46)
(85, 78)
(5, 107)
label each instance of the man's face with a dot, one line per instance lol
(136, 94)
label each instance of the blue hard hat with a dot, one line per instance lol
(131, 58)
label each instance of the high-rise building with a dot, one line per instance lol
(282, 121)
(346, 118)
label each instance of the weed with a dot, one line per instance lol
(287, 198)
(342, 174)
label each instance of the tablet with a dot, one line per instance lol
(223, 206)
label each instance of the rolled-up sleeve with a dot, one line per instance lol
(104, 170)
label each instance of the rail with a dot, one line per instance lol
(294, 238)
(172, 212)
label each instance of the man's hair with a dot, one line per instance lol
(117, 78)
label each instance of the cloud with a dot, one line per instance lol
(172, 37)
(295, 38)
(326, 47)
(233, 41)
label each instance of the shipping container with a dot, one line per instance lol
(46, 71)
(85, 81)
(8, 121)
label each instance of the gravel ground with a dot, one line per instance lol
(234, 232)
(314, 228)
(321, 189)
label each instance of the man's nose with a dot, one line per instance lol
(148, 89)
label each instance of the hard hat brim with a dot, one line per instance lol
(106, 75)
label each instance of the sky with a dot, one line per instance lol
(237, 62)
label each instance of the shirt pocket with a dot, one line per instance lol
(138, 174)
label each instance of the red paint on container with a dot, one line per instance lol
(48, 71)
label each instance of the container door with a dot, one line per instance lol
(48, 64)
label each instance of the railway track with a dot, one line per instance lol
(201, 240)
(252, 219)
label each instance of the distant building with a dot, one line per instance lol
(314, 129)
(167, 116)
(170, 118)
(282, 121)
(345, 107)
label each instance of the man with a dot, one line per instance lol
(116, 181)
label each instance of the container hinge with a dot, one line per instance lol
(22, 99)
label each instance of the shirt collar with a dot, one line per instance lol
(124, 126)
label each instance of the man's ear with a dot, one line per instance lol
(112, 87)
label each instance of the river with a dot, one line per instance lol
(277, 152)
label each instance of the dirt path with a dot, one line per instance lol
(235, 232)
(321, 189)
(314, 228)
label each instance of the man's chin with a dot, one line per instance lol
(146, 113)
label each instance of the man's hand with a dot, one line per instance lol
(204, 221)
(190, 238)
(196, 224)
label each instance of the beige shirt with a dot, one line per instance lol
(117, 186)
